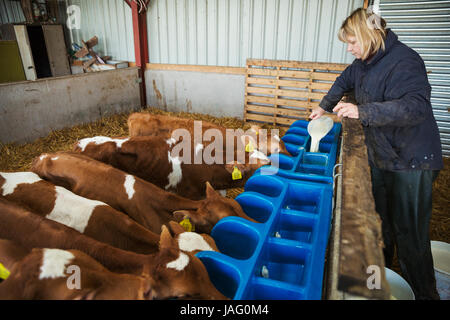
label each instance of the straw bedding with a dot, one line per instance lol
(15, 157)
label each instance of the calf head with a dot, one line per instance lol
(44, 274)
(253, 161)
(213, 208)
(179, 275)
(274, 143)
(191, 241)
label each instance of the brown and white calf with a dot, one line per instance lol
(146, 124)
(141, 200)
(90, 217)
(171, 272)
(152, 159)
(44, 274)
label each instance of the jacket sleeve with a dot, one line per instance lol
(343, 84)
(407, 97)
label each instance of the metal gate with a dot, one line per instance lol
(425, 27)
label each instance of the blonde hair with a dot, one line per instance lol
(368, 28)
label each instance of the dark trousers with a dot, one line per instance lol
(403, 201)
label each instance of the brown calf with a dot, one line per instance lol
(90, 217)
(150, 158)
(141, 200)
(146, 124)
(172, 273)
(44, 274)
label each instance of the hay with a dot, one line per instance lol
(440, 219)
(16, 157)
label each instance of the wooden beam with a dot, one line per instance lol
(196, 68)
(361, 243)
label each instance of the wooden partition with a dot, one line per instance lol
(361, 240)
(280, 92)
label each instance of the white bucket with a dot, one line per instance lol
(400, 289)
(441, 260)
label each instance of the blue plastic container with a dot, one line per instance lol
(305, 165)
(282, 254)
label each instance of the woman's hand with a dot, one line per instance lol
(348, 110)
(316, 113)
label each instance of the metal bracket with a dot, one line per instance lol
(335, 175)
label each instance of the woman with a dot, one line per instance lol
(392, 92)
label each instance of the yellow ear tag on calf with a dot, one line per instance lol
(236, 174)
(187, 225)
(4, 273)
(249, 147)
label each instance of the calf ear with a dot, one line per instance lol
(241, 167)
(181, 214)
(210, 192)
(166, 241)
(255, 128)
(246, 139)
(175, 228)
(230, 166)
(90, 295)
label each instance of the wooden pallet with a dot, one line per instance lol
(280, 92)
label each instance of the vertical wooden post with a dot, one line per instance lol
(277, 87)
(247, 75)
(309, 107)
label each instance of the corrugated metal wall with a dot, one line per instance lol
(226, 33)
(214, 32)
(111, 22)
(11, 11)
(425, 27)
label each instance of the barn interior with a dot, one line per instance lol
(74, 69)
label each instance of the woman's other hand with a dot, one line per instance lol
(316, 113)
(348, 110)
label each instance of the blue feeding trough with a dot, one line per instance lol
(282, 254)
(305, 165)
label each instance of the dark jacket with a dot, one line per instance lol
(393, 96)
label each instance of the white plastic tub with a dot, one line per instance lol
(441, 260)
(400, 289)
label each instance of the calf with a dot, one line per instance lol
(42, 274)
(150, 158)
(171, 273)
(90, 217)
(141, 200)
(146, 124)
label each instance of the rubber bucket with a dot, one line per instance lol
(400, 289)
(441, 260)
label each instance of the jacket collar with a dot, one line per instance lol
(389, 41)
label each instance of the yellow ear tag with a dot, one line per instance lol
(187, 225)
(236, 174)
(4, 273)
(249, 147)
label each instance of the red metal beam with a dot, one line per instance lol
(140, 43)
